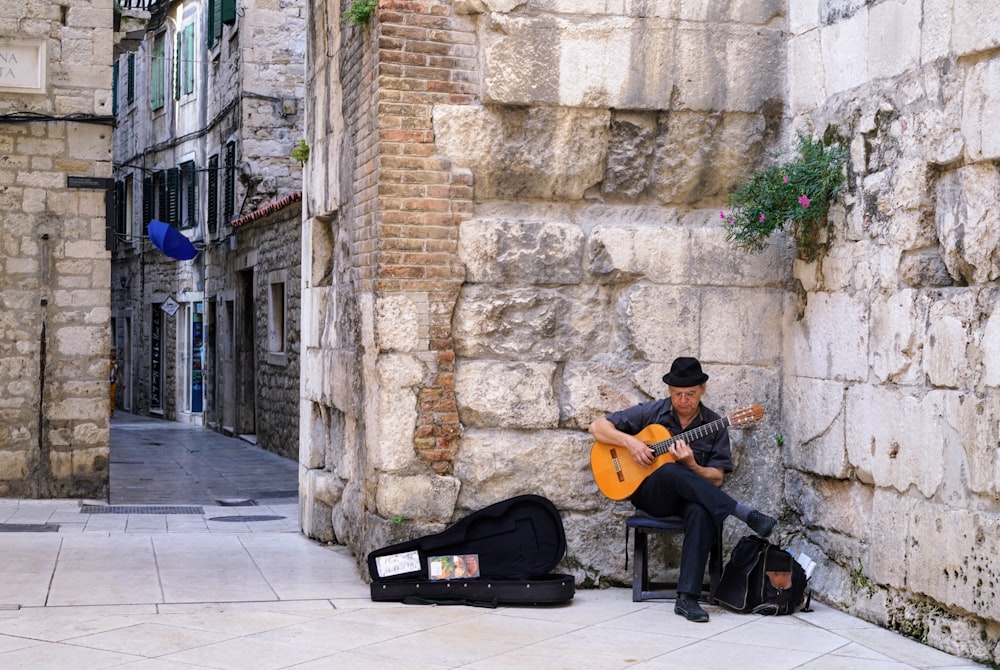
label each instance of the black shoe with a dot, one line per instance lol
(761, 523)
(687, 606)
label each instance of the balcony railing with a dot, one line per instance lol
(157, 10)
(144, 5)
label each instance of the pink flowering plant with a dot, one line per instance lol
(798, 191)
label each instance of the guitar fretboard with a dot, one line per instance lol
(660, 448)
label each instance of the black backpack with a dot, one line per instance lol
(762, 578)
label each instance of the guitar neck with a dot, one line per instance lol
(660, 448)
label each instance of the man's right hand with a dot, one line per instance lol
(640, 451)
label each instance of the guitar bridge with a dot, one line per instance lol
(617, 464)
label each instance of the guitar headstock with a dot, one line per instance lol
(746, 415)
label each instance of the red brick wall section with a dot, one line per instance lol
(426, 57)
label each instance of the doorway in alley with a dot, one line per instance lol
(246, 357)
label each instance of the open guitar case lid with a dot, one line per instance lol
(517, 541)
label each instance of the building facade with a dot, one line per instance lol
(55, 140)
(209, 108)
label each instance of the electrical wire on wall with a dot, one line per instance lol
(37, 117)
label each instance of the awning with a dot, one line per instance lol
(170, 241)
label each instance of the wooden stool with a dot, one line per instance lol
(642, 588)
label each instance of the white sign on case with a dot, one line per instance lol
(397, 564)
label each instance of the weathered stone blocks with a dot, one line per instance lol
(391, 410)
(831, 340)
(549, 153)
(420, 498)
(968, 221)
(505, 394)
(496, 464)
(631, 63)
(895, 438)
(626, 251)
(815, 426)
(532, 252)
(520, 323)
(963, 545)
(745, 326)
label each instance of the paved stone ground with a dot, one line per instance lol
(239, 587)
(164, 462)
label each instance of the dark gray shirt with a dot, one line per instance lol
(710, 451)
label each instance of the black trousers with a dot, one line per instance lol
(675, 490)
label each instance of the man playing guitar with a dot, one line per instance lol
(688, 485)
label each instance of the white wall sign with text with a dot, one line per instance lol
(22, 66)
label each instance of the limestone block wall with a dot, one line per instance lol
(582, 152)
(54, 272)
(520, 234)
(605, 140)
(890, 401)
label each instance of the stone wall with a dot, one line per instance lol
(600, 141)
(595, 255)
(54, 300)
(890, 403)
(273, 241)
(519, 319)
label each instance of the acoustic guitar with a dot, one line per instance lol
(618, 475)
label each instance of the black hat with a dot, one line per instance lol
(685, 372)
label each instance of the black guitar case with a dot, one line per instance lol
(517, 542)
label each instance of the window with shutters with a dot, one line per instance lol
(213, 22)
(276, 317)
(229, 191)
(131, 226)
(148, 201)
(130, 80)
(228, 11)
(213, 194)
(184, 62)
(158, 72)
(121, 219)
(159, 209)
(188, 195)
(172, 197)
(114, 88)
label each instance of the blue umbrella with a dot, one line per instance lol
(170, 241)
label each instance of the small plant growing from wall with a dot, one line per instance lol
(359, 12)
(798, 191)
(300, 153)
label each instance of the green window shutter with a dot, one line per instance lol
(213, 194)
(158, 73)
(228, 11)
(189, 58)
(178, 61)
(210, 23)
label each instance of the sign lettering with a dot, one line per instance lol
(22, 66)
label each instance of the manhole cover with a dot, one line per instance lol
(261, 517)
